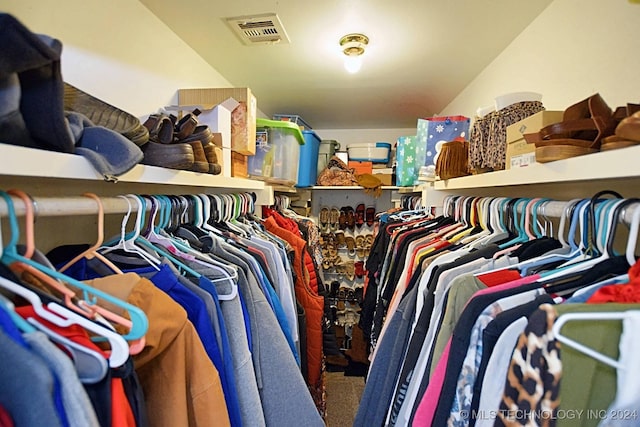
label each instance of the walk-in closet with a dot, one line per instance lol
(154, 271)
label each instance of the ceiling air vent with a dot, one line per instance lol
(258, 29)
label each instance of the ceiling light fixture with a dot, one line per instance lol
(353, 47)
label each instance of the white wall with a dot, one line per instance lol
(118, 51)
(573, 49)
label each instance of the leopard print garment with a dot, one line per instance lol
(488, 137)
(531, 393)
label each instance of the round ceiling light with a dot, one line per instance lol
(353, 46)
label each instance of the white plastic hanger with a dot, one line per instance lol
(128, 244)
(567, 317)
(63, 317)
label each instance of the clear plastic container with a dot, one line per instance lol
(277, 156)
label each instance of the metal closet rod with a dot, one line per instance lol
(63, 206)
(71, 205)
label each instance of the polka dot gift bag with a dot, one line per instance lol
(433, 132)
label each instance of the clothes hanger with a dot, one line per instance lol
(518, 223)
(483, 222)
(499, 232)
(63, 317)
(633, 236)
(209, 262)
(595, 316)
(139, 322)
(577, 267)
(89, 309)
(90, 366)
(163, 250)
(7, 306)
(67, 294)
(127, 243)
(92, 251)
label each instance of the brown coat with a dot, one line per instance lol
(181, 385)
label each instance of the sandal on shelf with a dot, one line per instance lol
(360, 241)
(370, 215)
(334, 218)
(351, 218)
(628, 129)
(581, 131)
(359, 269)
(342, 219)
(360, 212)
(340, 239)
(323, 219)
(368, 239)
(351, 246)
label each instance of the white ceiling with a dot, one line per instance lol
(421, 53)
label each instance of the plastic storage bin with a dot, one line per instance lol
(377, 152)
(293, 118)
(307, 168)
(277, 157)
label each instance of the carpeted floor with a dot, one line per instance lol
(343, 396)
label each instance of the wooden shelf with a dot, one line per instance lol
(622, 163)
(28, 162)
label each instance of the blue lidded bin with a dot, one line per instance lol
(308, 166)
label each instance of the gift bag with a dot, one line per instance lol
(406, 170)
(435, 131)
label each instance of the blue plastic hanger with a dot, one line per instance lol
(518, 222)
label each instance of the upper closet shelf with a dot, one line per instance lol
(622, 163)
(21, 161)
(349, 187)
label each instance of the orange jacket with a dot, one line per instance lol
(313, 303)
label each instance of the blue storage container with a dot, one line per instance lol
(308, 166)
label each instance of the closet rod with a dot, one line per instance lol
(72, 205)
(62, 206)
(555, 209)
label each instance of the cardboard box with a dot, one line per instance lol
(519, 153)
(239, 165)
(360, 167)
(243, 115)
(385, 178)
(385, 175)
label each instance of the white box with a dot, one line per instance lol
(218, 118)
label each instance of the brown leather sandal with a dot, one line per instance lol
(627, 131)
(581, 131)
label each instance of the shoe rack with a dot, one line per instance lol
(345, 245)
